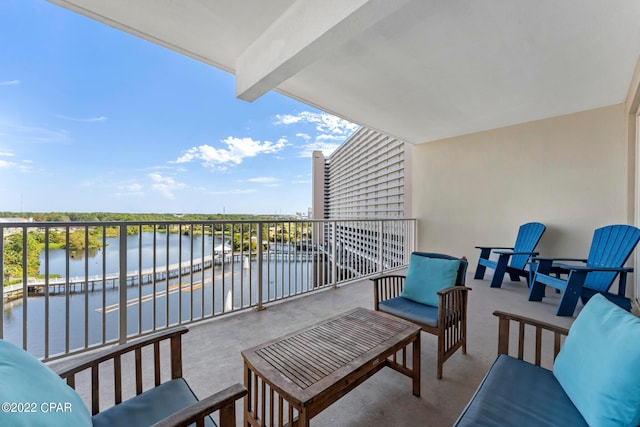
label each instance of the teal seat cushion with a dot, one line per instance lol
(33, 395)
(150, 407)
(599, 364)
(426, 276)
(410, 310)
(519, 394)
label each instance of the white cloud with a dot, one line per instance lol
(327, 137)
(331, 131)
(288, 119)
(324, 122)
(165, 185)
(9, 82)
(235, 191)
(263, 180)
(129, 190)
(237, 150)
(84, 120)
(327, 148)
(24, 166)
(336, 125)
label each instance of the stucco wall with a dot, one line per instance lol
(568, 172)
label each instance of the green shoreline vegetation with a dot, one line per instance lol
(92, 237)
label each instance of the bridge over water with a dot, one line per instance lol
(77, 284)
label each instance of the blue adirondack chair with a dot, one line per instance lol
(511, 260)
(610, 248)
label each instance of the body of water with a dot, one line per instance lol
(140, 250)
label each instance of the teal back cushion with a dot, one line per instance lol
(426, 276)
(599, 364)
(31, 394)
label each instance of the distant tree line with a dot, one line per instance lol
(121, 217)
(93, 237)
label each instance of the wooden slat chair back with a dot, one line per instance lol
(448, 321)
(611, 247)
(163, 402)
(511, 260)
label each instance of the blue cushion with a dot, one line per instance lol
(150, 407)
(36, 394)
(599, 364)
(410, 310)
(426, 276)
(517, 393)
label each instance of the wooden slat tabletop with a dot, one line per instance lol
(317, 357)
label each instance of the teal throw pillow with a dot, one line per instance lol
(426, 276)
(31, 394)
(599, 364)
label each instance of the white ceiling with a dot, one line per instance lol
(420, 70)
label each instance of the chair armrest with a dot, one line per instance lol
(223, 400)
(546, 265)
(517, 253)
(537, 258)
(539, 327)
(387, 287)
(590, 269)
(453, 289)
(494, 247)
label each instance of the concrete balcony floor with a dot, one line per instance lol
(212, 360)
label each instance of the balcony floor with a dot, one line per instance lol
(212, 361)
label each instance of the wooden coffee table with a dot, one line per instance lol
(293, 378)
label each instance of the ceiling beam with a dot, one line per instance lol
(306, 31)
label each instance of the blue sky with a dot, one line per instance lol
(94, 119)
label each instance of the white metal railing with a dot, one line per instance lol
(61, 283)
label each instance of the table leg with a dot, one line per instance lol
(416, 366)
(247, 398)
(303, 420)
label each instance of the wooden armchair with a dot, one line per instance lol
(447, 320)
(169, 403)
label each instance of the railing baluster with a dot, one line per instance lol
(179, 284)
(46, 292)
(86, 287)
(259, 260)
(122, 285)
(104, 285)
(140, 328)
(66, 290)
(154, 272)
